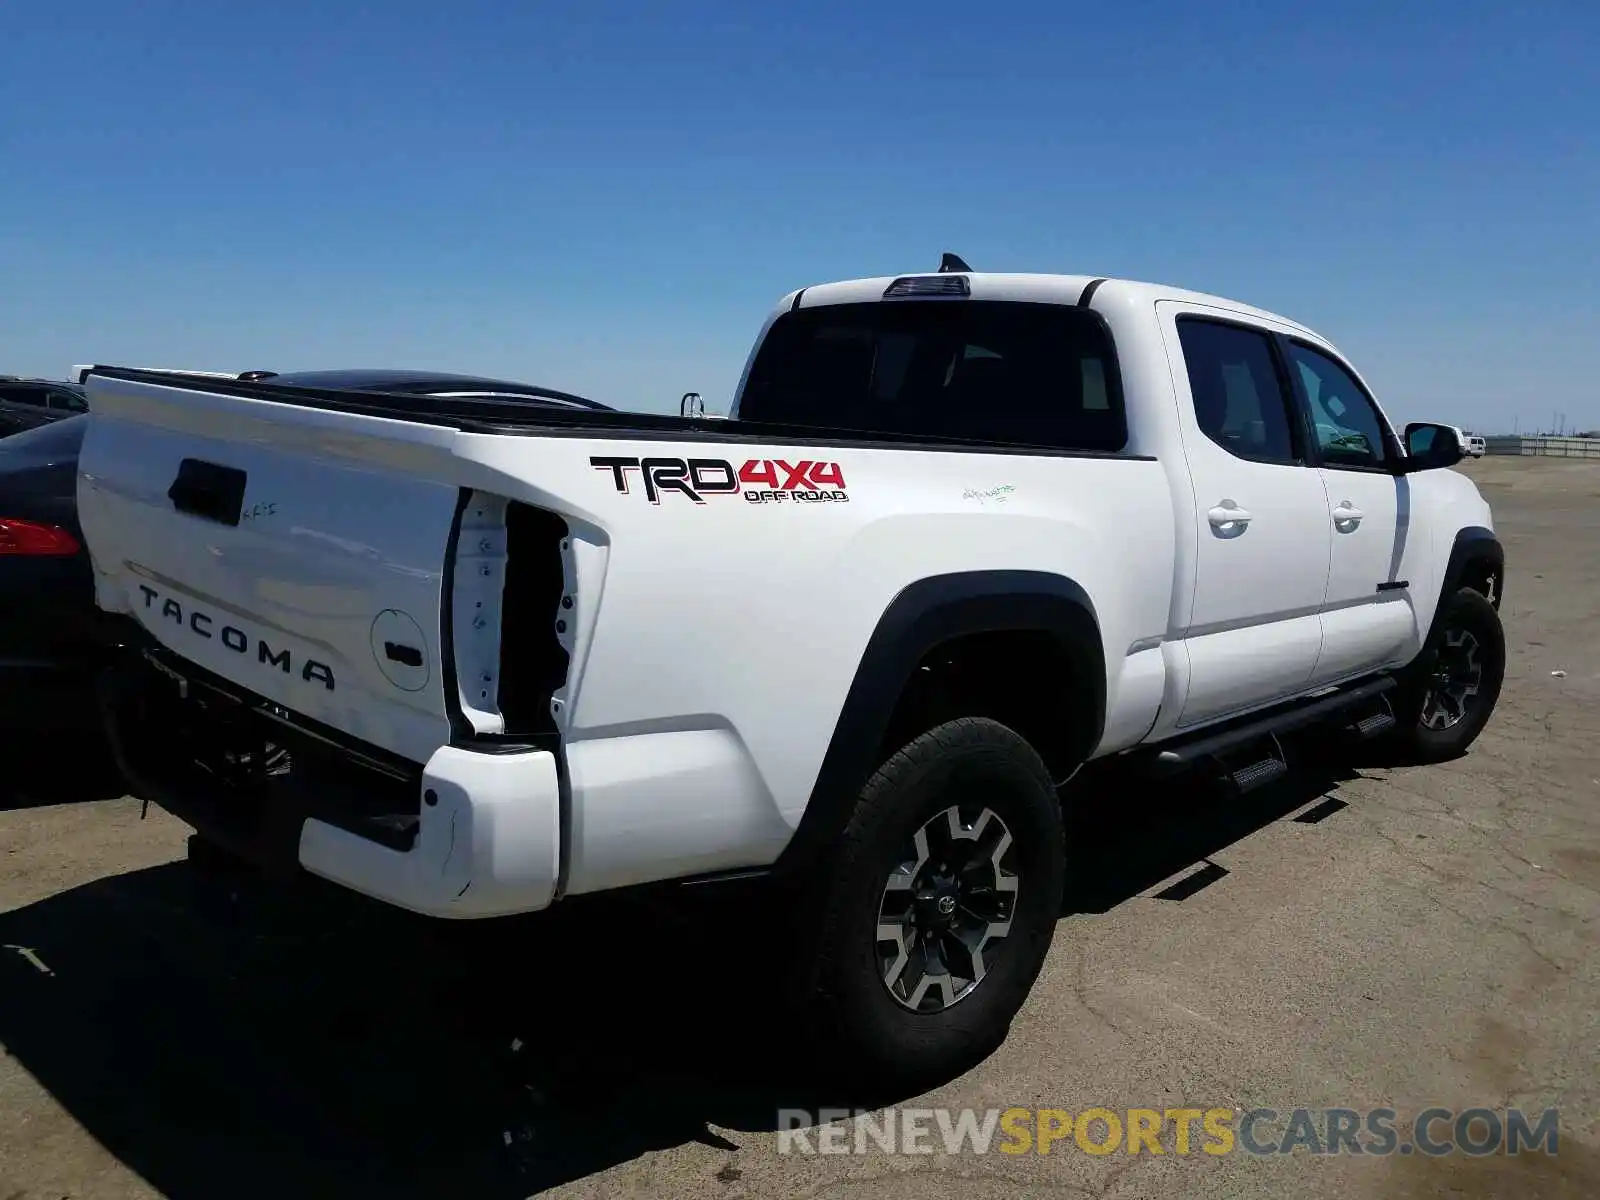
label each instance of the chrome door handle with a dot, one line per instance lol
(1228, 513)
(1347, 514)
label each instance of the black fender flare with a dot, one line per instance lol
(921, 616)
(1474, 552)
(1474, 549)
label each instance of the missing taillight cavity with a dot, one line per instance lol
(34, 538)
(480, 559)
(533, 660)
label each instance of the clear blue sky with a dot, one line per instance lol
(610, 197)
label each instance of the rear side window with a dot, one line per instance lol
(1240, 401)
(68, 401)
(993, 371)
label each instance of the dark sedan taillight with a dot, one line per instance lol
(35, 539)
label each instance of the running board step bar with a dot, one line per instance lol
(1375, 723)
(1312, 712)
(1258, 774)
(1255, 765)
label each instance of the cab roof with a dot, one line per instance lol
(1024, 288)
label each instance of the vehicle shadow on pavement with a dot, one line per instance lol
(47, 769)
(1117, 850)
(226, 1039)
(225, 1036)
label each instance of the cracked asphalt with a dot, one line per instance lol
(1359, 937)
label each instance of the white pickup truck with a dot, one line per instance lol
(961, 534)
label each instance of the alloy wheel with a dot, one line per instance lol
(947, 908)
(1457, 675)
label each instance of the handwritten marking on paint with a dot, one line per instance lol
(983, 496)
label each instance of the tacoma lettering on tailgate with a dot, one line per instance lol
(202, 624)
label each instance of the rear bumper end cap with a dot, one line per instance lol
(488, 843)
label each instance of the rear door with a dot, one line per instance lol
(1261, 566)
(1368, 620)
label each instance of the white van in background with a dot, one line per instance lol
(1472, 445)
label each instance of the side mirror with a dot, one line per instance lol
(1430, 447)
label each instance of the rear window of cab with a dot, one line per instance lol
(1041, 375)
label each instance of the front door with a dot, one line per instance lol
(1368, 620)
(1253, 629)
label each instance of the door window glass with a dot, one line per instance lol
(1348, 430)
(1238, 393)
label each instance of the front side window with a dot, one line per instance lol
(1348, 429)
(991, 371)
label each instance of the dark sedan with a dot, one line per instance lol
(28, 403)
(434, 386)
(46, 586)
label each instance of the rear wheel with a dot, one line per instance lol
(1455, 682)
(939, 904)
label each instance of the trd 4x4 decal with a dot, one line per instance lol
(760, 480)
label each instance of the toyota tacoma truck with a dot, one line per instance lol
(961, 534)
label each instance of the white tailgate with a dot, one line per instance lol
(326, 595)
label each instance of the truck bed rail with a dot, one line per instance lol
(511, 418)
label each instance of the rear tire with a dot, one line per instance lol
(938, 906)
(1452, 688)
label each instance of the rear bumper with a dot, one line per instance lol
(487, 845)
(470, 833)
